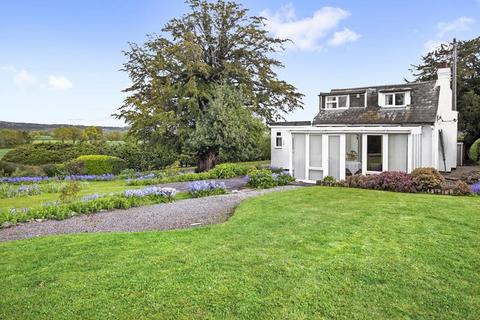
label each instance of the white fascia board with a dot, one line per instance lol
(398, 129)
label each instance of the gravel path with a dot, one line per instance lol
(174, 215)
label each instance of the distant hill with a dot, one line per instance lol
(39, 126)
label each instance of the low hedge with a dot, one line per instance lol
(474, 152)
(95, 164)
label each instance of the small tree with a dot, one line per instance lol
(75, 134)
(61, 134)
(93, 133)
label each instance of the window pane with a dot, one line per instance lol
(315, 150)
(388, 99)
(278, 142)
(315, 175)
(397, 152)
(353, 156)
(331, 99)
(399, 99)
(374, 153)
(331, 105)
(342, 102)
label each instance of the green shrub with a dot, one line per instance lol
(230, 170)
(45, 153)
(261, 179)
(8, 168)
(99, 164)
(74, 167)
(425, 179)
(329, 179)
(70, 191)
(54, 169)
(474, 152)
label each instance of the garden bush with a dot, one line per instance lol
(474, 152)
(263, 179)
(98, 164)
(426, 179)
(230, 170)
(46, 153)
(205, 188)
(460, 188)
(361, 181)
(394, 181)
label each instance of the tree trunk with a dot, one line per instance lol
(207, 161)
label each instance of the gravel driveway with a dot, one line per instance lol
(174, 215)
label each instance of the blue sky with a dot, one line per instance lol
(60, 60)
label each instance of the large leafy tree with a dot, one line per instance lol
(175, 75)
(468, 81)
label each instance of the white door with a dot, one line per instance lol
(298, 155)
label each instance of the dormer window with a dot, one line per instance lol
(336, 102)
(394, 99)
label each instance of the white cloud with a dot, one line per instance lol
(305, 33)
(24, 77)
(59, 82)
(8, 68)
(342, 37)
(459, 24)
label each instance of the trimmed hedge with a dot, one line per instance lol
(474, 152)
(98, 164)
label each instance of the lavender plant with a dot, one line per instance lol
(475, 188)
(205, 188)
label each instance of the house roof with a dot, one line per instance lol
(423, 107)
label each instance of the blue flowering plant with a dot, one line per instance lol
(43, 179)
(88, 204)
(475, 188)
(205, 188)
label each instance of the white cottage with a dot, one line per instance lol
(372, 129)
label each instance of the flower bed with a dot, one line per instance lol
(88, 204)
(204, 188)
(26, 180)
(426, 180)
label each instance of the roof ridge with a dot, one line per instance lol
(384, 85)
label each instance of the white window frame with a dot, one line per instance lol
(278, 134)
(394, 96)
(334, 100)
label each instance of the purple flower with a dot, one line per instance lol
(23, 179)
(204, 185)
(475, 188)
(91, 177)
(149, 191)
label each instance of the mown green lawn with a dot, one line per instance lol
(3, 151)
(319, 252)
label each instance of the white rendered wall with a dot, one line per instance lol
(447, 121)
(281, 156)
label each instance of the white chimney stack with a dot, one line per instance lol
(444, 74)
